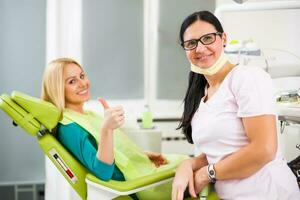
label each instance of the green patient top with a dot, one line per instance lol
(84, 147)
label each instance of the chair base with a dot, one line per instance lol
(96, 191)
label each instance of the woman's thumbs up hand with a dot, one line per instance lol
(113, 116)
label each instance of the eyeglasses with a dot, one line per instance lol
(204, 39)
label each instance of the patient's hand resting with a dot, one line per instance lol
(157, 158)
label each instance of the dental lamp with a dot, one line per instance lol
(239, 1)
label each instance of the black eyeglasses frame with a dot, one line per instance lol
(200, 40)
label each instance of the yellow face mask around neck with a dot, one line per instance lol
(212, 69)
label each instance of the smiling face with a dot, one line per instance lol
(77, 86)
(204, 56)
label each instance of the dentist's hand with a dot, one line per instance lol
(113, 117)
(184, 177)
(200, 179)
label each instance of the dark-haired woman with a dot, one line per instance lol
(229, 115)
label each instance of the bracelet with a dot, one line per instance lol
(211, 173)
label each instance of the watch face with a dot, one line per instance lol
(211, 173)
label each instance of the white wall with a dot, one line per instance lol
(275, 31)
(22, 58)
(270, 29)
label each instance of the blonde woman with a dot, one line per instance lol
(96, 142)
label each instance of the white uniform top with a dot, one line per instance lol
(217, 131)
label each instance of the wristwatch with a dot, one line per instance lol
(211, 173)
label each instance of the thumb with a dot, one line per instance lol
(104, 103)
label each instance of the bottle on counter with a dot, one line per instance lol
(147, 118)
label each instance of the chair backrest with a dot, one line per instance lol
(39, 118)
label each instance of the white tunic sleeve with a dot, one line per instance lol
(254, 92)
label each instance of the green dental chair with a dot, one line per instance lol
(39, 119)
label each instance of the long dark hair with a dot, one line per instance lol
(197, 82)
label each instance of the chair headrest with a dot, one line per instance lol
(46, 113)
(21, 117)
(29, 112)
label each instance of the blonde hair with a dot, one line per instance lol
(53, 85)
